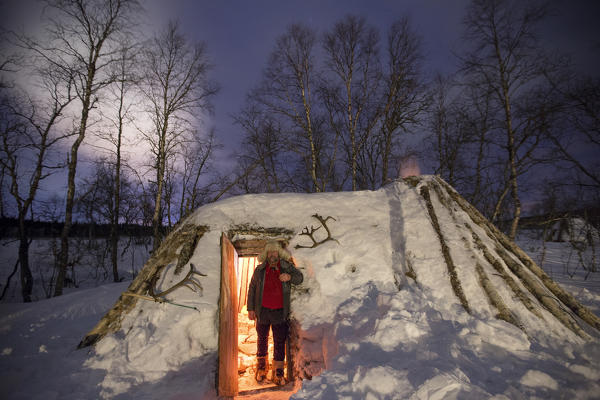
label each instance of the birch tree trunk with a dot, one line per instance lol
(27, 134)
(177, 89)
(351, 48)
(505, 60)
(96, 24)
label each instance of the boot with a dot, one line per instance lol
(261, 369)
(277, 373)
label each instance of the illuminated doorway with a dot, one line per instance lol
(247, 331)
(237, 333)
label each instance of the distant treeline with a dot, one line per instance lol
(37, 229)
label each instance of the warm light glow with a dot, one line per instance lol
(247, 354)
(247, 340)
(409, 166)
(245, 269)
(247, 330)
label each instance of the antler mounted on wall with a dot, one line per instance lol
(310, 233)
(187, 282)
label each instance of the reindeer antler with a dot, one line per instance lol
(187, 282)
(312, 230)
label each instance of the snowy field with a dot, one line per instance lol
(377, 342)
(561, 262)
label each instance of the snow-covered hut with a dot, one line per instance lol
(398, 282)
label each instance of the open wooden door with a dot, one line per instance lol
(228, 323)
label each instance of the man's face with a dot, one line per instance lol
(273, 256)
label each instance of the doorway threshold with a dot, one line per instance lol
(270, 391)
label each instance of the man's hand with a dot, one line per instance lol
(252, 315)
(284, 277)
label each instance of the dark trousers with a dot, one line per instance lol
(272, 319)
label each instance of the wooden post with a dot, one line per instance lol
(228, 323)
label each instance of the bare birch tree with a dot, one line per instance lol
(263, 151)
(119, 115)
(81, 40)
(288, 92)
(316, 126)
(448, 141)
(28, 131)
(404, 95)
(197, 157)
(352, 54)
(96, 201)
(461, 117)
(505, 58)
(177, 89)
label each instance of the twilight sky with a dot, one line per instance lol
(241, 33)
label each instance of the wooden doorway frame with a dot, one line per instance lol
(227, 385)
(228, 323)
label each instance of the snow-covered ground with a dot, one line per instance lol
(563, 263)
(378, 334)
(38, 341)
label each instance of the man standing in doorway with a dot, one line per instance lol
(269, 305)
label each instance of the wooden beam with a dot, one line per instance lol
(251, 247)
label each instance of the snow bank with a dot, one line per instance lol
(38, 341)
